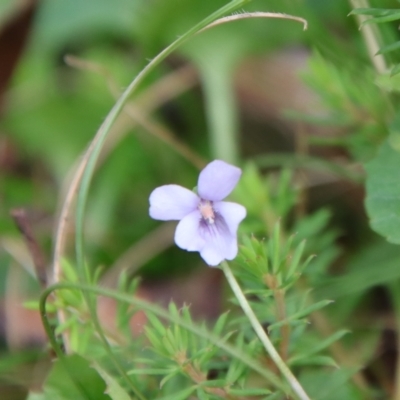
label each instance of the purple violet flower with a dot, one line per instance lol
(207, 224)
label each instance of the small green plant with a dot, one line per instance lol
(298, 317)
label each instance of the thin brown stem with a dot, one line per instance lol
(285, 329)
(279, 296)
(199, 377)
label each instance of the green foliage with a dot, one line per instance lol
(347, 96)
(296, 254)
(379, 16)
(113, 388)
(330, 385)
(375, 265)
(270, 272)
(73, 378)
(383, 191)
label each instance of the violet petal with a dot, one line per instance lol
(187, 234)
(217, 249)
(232, 214)
(172, 202)
(217, 180)
(220, 244)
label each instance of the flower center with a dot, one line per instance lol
(207, 211)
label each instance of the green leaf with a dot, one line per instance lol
(326, 385)
(156, 323)
(323, 361)
(181, 395)
(249, 392)
(73, 378)
(276, 249)
(388, 48)
(213, 383)
(34, 305)
(114, 389)
(220, 324)
(376, 265)
(383, 193)
(395, 70)
(386, 18)
(236, 370)
(374, 12)
(322, 344)
(169, 376)
(202, 395)
(300, 314)
(151, 371)
(294, 262)
(38, 396)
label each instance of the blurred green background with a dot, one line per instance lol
(257, 89)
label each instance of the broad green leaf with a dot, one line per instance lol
(73, 378)
(383, 193)
(327, 384)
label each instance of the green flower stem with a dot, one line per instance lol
(293, 382)
(160, 312)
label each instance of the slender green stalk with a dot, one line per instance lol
(160, 312)
(293, 382)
